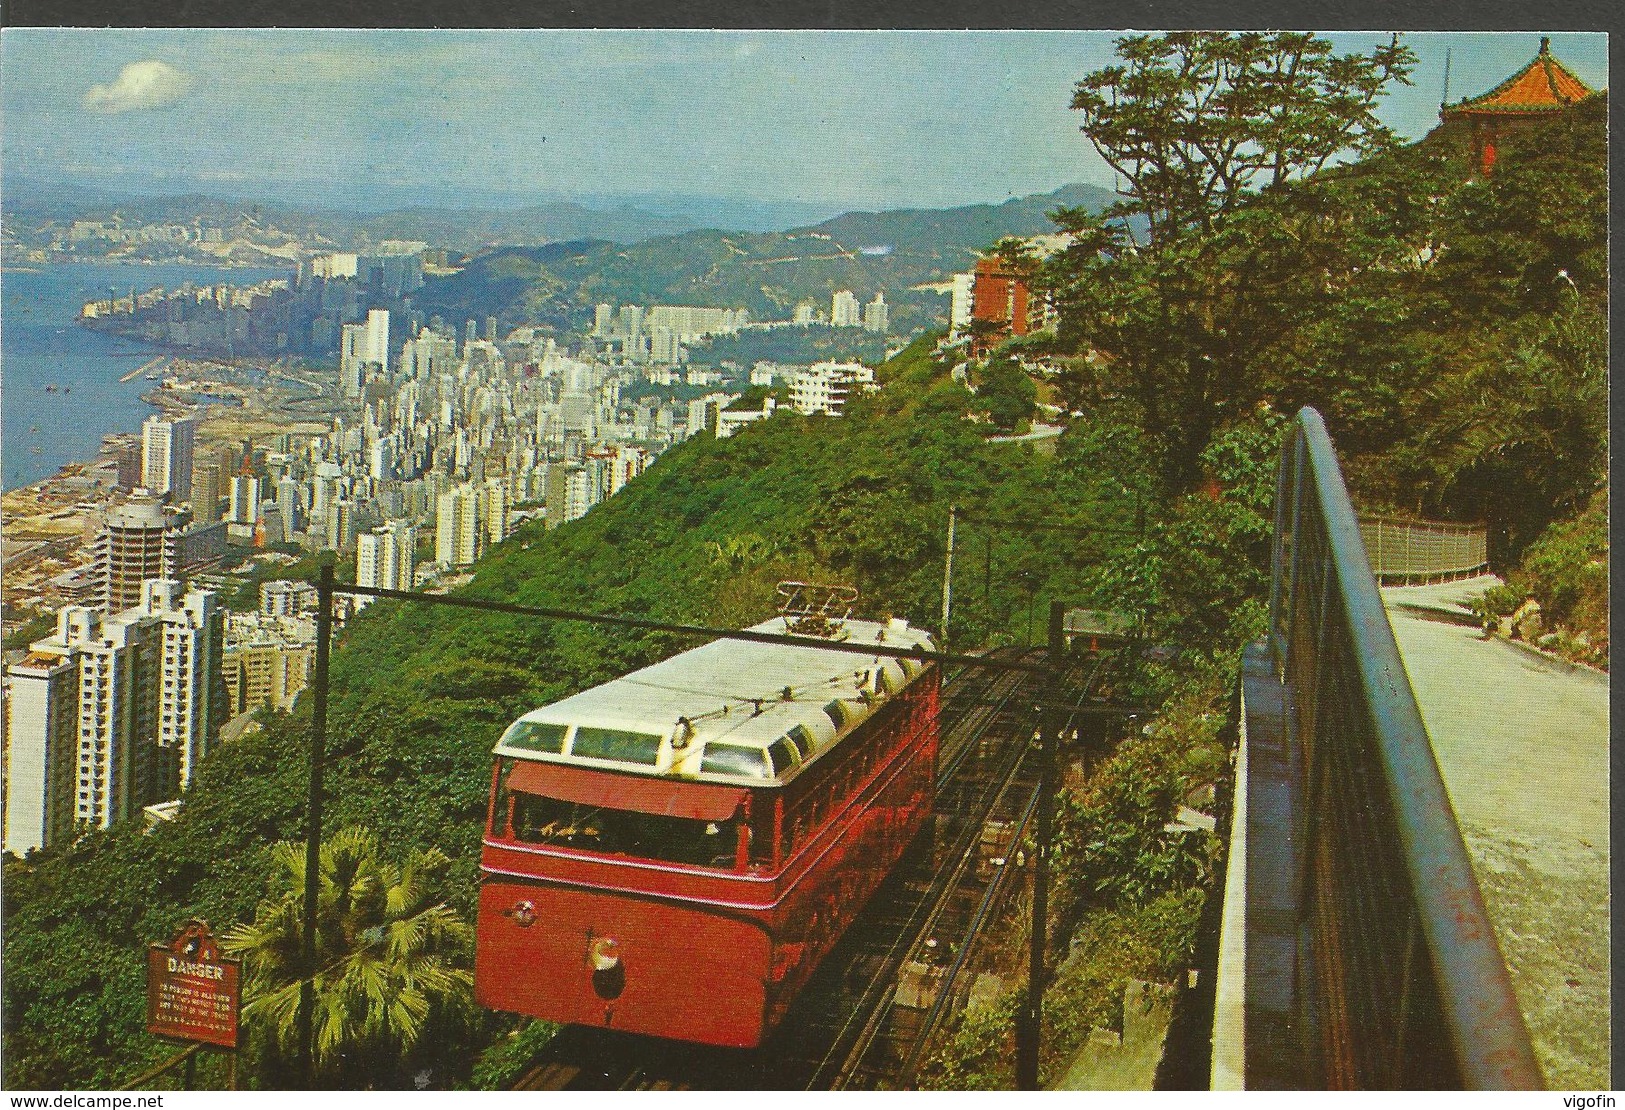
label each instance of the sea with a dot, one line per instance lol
(42, 344)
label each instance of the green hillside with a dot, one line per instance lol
(767, 273)
(421, 694)
(1452, 330)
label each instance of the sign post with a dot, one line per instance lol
(193, 992)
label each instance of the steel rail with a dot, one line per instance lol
(871, 999)
(1356, 719)
(965, 850)
(991, 896)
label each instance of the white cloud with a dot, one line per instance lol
(150, 84)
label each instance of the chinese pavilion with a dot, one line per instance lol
(1543, 87)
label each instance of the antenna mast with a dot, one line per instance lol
(1446, 100)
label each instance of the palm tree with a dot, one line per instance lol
(391, 957)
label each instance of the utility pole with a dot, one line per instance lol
(1029, 1031)
(948, 577)
(313, 825)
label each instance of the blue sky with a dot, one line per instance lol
(856, 119)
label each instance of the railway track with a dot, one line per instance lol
(865, 1019)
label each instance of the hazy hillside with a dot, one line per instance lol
(768, 273)
(457, 229)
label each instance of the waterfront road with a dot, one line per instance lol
(1522, 743)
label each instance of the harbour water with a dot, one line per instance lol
(42, 345)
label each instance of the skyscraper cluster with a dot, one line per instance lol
(111, 713)
(846, 312)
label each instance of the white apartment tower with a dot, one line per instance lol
(877, 315)
(383, 557)
(42, 747)
(245, 499)
(843, 312)
(493, 511)
(111, 714)
(166, 457)
(959, 304)
(190, 709)
(457, 527)
(363, 348)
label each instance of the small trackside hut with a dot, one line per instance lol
(673, 852)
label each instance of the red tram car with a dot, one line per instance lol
(673, 852)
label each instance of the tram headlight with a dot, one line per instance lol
(604, 953)
(523, 914)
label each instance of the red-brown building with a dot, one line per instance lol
(1000, 298)
(1542, 87)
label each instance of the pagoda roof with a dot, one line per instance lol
(1544, 85)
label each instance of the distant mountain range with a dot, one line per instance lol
(768, 273)
(459, 229)
(457, 220)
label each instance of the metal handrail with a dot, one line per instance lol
(1423, 550)
(1403, 895)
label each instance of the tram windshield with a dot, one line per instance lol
(552, 821)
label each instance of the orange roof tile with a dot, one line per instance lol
(1543, 85)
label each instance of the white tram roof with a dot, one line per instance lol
(731, 711)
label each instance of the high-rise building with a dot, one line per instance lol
(267, 660)
(493, 510)
(137, 542)
(341, 524)
(383, 557)
(363, 350)
(110, 714)
(129, 466)
(843, 312)
(207, 492)
(457, 538)
(190, 706)
(602, 319)
(166, 457)
(959, 304)
(245, 499)
(664, 346)
(282, 597)
(290, 501)
(42, 745)
(877, 315)
(627, 464)
(580, 492)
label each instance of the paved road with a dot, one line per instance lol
(1522, 744)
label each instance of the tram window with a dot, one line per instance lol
(615, 743)
(779, 753)
(837, 714)
(733, 759)
(802, 738)
(541, 820)
(535, 736)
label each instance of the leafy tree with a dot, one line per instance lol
(1196, 123)
(1006, 393)
(391, 956)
